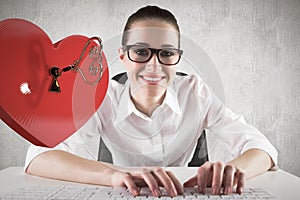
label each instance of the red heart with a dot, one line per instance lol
(42, 117)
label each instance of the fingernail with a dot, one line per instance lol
(135, 192)
(157, 192)
(181, 191)
(215, 190)
(173, 193)
(226, 191)
(200, 189)
(240, 190)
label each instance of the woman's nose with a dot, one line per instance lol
(154, 59)
(153, 66)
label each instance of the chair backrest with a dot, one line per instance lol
(200, 155)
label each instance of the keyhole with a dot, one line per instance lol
(55, 73)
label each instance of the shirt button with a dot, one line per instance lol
(156, 140)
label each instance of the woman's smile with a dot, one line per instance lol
(152, 79)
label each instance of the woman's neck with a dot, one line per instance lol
(147, 105)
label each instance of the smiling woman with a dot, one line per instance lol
(150, 57)
(153, 121)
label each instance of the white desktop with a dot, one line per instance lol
(280, 184)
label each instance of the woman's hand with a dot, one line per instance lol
(218, 175)
(151, 177)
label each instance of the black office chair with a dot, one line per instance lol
(200, 155)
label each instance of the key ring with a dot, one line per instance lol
(95, 54)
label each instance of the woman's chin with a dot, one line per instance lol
(154, 90)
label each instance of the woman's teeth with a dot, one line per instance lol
(152, 79)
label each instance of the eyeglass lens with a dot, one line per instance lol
(143, 54)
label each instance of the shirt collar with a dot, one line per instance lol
(126, 106)
(171, 100)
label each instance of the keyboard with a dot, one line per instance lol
(116, 193)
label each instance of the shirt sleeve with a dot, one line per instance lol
(84, 143)
(33, 151)
(234, 132)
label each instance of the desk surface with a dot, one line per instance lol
(280, 184)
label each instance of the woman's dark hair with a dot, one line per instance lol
(148, 13)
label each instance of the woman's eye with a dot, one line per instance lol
(167, 53)
(141, 52)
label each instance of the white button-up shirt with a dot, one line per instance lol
(169, 136)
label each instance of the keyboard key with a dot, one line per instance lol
(108, 193)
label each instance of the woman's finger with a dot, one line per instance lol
(240, 181)
(203, 173)
(229, 173)
(152, 183)
(217, 179)
(176, 182)
(129, 183)
(191, 182)
(166, 181)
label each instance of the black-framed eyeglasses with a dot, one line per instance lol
(142, 54)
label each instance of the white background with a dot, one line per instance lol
(255, 46)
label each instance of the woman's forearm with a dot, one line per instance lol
(253, 162)
(66, 166)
